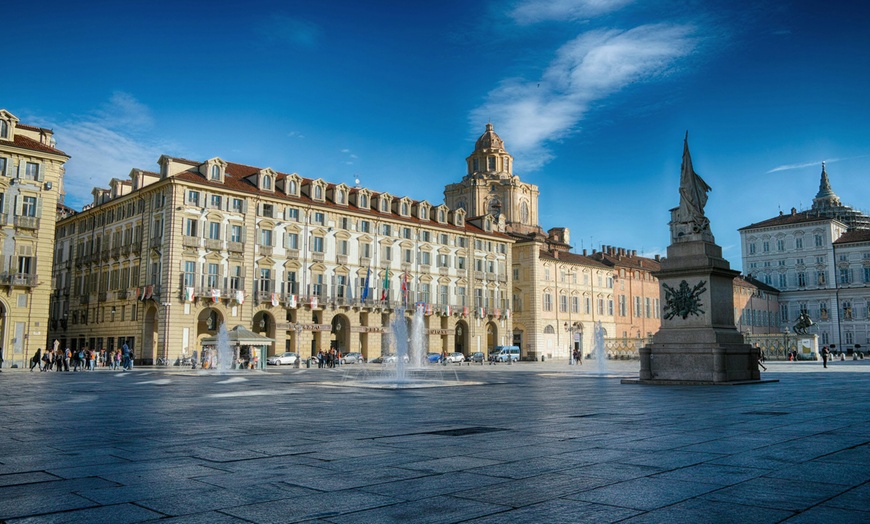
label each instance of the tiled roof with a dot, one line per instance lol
(749, 281)
(25, 142)
(236, 180)
(573, 258)
(634, 262)
(792, 218)
(856, 235)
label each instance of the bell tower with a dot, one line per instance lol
(489, 187)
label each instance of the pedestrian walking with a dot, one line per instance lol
(826, 354)
(36, 360)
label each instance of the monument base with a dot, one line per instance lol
(698, 364)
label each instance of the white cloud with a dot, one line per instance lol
(106, 144)
(788, 167)
(585, 70)
(533, 11)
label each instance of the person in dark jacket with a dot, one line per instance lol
(36, 360)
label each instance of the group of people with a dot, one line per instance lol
(328, 359)
(85, 359)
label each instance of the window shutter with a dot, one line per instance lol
(17, 205)
(40, 172)
(244, 234)
(38, 208)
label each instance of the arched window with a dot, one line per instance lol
(424, 215)
(318, 192)
(4, 129)
(549, 330)
(292, 187)
(441, 216)
(404, 208)
(383, 205)
(215, 172)
(507, 164)
(363, 201)
(524, 213)
(492, 163)
(339, 196)
(267, 182)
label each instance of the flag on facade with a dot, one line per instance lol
(215, 295)
(313, 301)
(507, 313)
(365, 291)
(386, 291)
(140, 293)
(428, 309)
(481, 312)
(405, 287)
(497, 313)
(448, 311)
(149, 292)
(291, 301)
(349, 292)
(275, 300)
(188, 294)
(240, 296)
(465, 311)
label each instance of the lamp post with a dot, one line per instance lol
(166, 306)
(785, 332)
(298, 327)
(571, 329)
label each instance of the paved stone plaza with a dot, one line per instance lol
(531, 442)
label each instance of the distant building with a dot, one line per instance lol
(819, 260)
(756, 307)
(31, 185)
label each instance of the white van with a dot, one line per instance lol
(503, 353)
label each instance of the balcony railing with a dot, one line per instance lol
(125, 249)
(156, 242)
(317, 257)
(122, 295)
(235, 247)
(18, 279)
(26, 222)
(341, 259)
(101, 296)
(213, 244)
(265, 251)
(116, 252)
(4, 217)
(136, 247)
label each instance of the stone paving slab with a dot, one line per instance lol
(530, 442)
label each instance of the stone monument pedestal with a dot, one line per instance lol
(808, 347)
(698, 342)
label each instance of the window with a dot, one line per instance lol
(647, 307)
(236, 233)
(31, 171)
(387, 253)
(406, 232)
(819, 240)
(867, 274)
(461, 242)
(317, 245)
(575, 304)
(265, 280)
(365, 226)
(548, 302)
(623, 306)
(190, 227)
(189, 273)
(193, 198)
(385, 229)
(215, 201)
(339, 196)
(443, 260)
(343, 247)
(213, 276)
(25, 265)
(765, 246)
(215, 172)
(406, 256)
(291, 282)
(425, 236)
(783, 282)
(443, 239)
(491, 163)
(363, 201)
(265, 237)
(783, 313)
(268, 210)
(345, 223)
(292, 241)
(384, 205)
(214, 230)
(367, 250)
(28, 206)
(460, 262)
(780, 245)
(404, 209)
(798, 243)
(238, 205)
(291, 188)
(319, 218)
(802, 279)
(637, 307)
(318, 193)
(425, 258)
(293, 214)
(442, 295)
(563, 303)
(425, 292)
(845, 275)
(236, 278)
(267, 182)
(4, 129)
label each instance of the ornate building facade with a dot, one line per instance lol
(31, 185)
(819, 260)
(162, 259)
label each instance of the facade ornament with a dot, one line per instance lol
(683, 301)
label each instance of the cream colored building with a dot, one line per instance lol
(31, 182)
(171, 255)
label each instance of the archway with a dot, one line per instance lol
(460, 339)
(517, 339)
(340, 334)
(263, 324)
(491, 336)
(149, 334)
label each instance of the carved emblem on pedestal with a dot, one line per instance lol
(683, 301)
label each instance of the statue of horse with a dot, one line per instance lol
(804, 322)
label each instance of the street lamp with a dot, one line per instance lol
(166, 306)
(571, 329)
(785, 332)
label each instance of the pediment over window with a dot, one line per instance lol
(290, 184)
(214, 170)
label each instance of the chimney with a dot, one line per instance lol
(658, 258)
(634, 252)
(584, 252)
(793, 211)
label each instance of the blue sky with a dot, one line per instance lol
(592, 97)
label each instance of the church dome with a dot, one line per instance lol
(489, 140)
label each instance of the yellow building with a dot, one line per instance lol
(31, 180)
(171, 255)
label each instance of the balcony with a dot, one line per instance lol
(265, 251)
(18, 279)
(443, 270)
(136, 248)
(116, 253)
(121, 295)
(4, 217)
(104, 255)
(213, 244)
(235, 247)
(26, 222)
(101, 296)
(292, 253)
(125, 249)
(317, 257)
(479, 275)
(187, 241)
(502, 278)
(156, 242)
(341, 259)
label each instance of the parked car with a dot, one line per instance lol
(353, 358)
(456, 357)
(285, 358)
(377, 360)
(433, 358)
(477, 356)
(393, 358)
(505, 353)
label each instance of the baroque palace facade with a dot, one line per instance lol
(819, 260)
(161, 260)
(31, 185)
